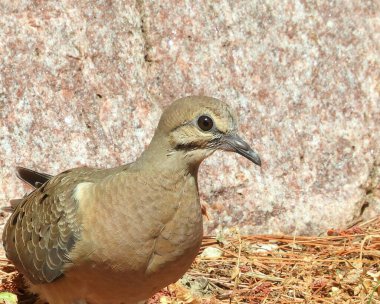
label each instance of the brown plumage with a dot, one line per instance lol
(119, 235)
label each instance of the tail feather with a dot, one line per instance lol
(32, 178)
(14, 203)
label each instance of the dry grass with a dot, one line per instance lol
(342, 267)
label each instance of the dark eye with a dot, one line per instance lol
(205, 123)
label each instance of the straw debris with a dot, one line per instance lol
(341, 267)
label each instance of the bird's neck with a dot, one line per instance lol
(160, 156)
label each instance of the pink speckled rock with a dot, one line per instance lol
(84, 83)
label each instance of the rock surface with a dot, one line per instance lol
(84, 83)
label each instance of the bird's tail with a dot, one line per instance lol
(30, 177)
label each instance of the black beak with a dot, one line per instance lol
(234, 143)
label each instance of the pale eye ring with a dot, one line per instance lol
(205, 123)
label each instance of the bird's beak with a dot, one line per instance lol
(234, 143)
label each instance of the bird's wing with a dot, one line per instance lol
(44, 226)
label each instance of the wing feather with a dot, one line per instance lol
(44, 226)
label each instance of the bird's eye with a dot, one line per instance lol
(205, 123)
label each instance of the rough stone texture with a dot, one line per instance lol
(84, 83)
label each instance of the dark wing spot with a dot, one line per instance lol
(43, 198)
(15, 217)
(59, 218)
(70, 242)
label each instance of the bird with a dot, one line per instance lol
(119, 235)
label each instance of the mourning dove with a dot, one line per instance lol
(119, 235)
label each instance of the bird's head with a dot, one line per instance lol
(197, 126)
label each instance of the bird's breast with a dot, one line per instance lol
(151, 227)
